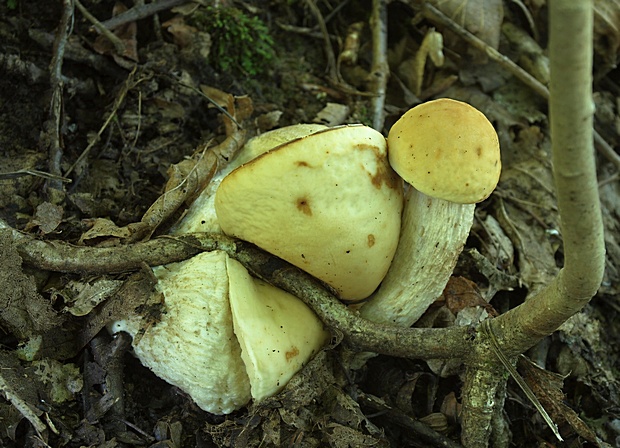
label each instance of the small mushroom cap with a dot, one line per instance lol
(328, 203)
(446, 149)
(277, 332)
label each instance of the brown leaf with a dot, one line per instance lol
(47, 217)
(547, 386)
(461, 293)
(128, 36)
(103, 233)
(482, 18)
(182, 33)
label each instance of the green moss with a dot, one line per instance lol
(240, 43)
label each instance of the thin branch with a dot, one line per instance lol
(439, 18)
(332, 70)
(119, 46)
(140, 12)
(380, 70)
(52, 129)
(571, 114)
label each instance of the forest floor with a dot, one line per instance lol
(89, 128)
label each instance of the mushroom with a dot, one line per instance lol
(328, 203)
(449, 154)
(224, 336)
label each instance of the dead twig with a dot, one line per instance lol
(119, 46)
(51, 138)
(77, 53)
(138, 12)
(380, 70)
(439, 18)
(332, 70)
(359, 333)
(429, 436)
(33, 172)
(22, 406)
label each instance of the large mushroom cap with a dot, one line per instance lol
(328, 203)
(446, 149)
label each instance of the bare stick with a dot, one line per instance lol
(140, 12)
(119, 46)
(438, 17)
(380, 70)
(361, 334)
(51, 133)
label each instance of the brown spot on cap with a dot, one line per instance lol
(384, 175)
(302, 163)
(479, 151)
(292, 353)
(371, 240)
(303, 206)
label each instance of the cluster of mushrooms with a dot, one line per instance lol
(332, 202)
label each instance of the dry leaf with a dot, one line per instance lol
(128, 36)
(547, 386)
(47, 217)
(482, 18)
(333, 114)
(103, 233)
(461, 293)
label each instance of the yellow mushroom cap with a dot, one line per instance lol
(277, 332)
(328, 203)
(446, 149)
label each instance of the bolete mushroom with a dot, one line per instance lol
(449, 153)
(329, 203)
(224, 336)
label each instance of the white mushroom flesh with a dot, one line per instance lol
(434, 233)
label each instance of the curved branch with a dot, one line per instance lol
(571, 111)
(361, 334)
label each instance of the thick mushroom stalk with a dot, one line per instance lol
(449, 153)
(424, 260)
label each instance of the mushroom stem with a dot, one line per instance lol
(433, 235)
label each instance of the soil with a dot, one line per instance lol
(89, 133)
